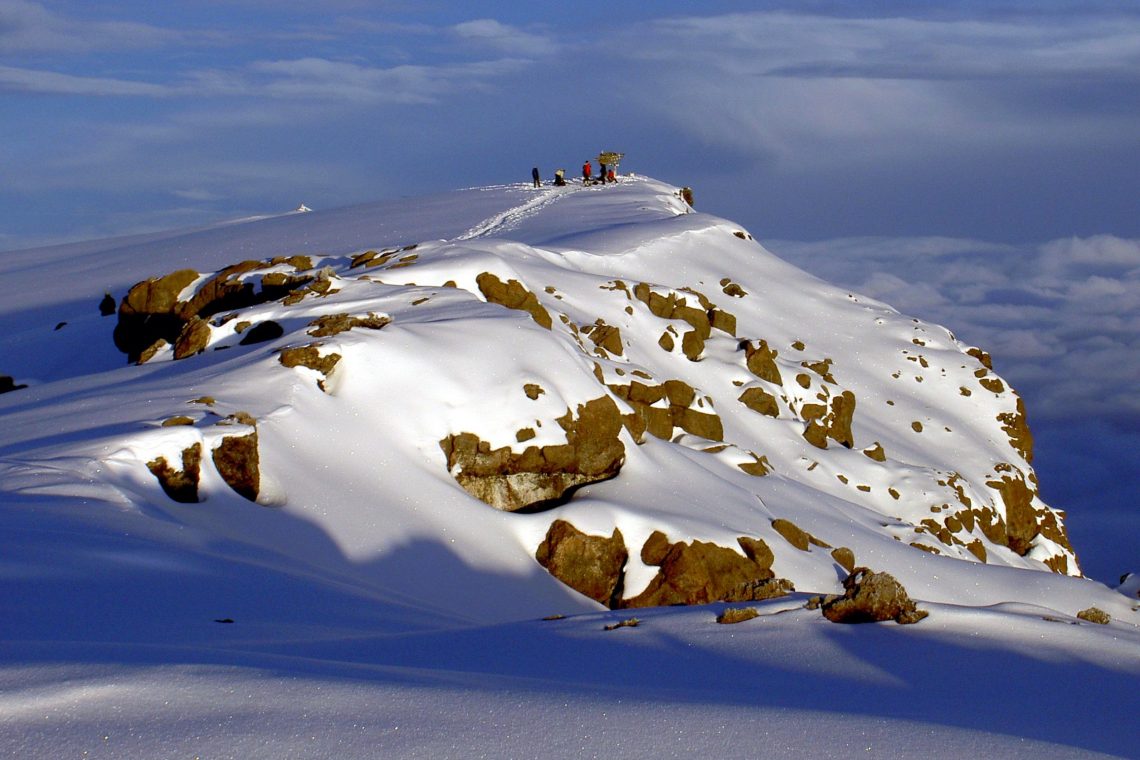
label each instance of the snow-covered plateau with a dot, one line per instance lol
(480, 475)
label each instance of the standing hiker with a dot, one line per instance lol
(536, 177)
(587, 170)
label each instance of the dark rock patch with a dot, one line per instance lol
(7, 384)
(262, 332)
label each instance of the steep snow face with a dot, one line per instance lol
(401, 399)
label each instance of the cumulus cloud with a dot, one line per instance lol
(1061, 319)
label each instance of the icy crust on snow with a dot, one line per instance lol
(751, 392)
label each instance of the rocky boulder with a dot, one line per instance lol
(540, 476)
(236, 460)
(591, 565)
(181, 485)
(870, 597)
(701, 572)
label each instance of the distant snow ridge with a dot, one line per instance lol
(637, 397)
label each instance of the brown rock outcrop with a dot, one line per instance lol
(512, 481)
(702, 572)
(659, 421)
(871, 597)
(1015, 425)
(513, 295)
(591, 565)
(236, 460)
(152, 311)
(309, 356)
(834, 424)
(180, 485)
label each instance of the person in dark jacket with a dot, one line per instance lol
(536, 177)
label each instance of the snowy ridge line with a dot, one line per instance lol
(512, 216)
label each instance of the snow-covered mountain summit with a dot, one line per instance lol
(471, 370)
(366, 450)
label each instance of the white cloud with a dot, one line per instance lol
(511, 40)
(323, 79)
(814, 92)
(50, 82)
(30, 27)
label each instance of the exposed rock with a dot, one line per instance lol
(8, 384)
(759, 400)
(660, 421)
(332, 324)
(262, 332)
(844, 557)
(977, 548)
(533, 390)
(871, 597)
(512, 481)
(757, 550)
(1095, 615)
(737, 615)
(179, 485)
(1020, 517)
(309, 356)
(147, 313)
(152, 310)
(591, 565)
(607, 337)
(1014, 425)
(876, 452)
(761, 361)
(193, 339)
(701, 572)
(829, 420)
(795, 535)
(759, 467)
(513, 295)
(107, 305)
(236, 459)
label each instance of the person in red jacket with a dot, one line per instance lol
(587, 170)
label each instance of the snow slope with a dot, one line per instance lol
(367, 600)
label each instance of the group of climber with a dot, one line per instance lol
(605, 174)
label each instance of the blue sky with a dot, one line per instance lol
(974, 163)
